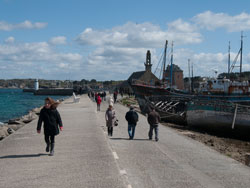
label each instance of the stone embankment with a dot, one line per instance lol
(15, 124)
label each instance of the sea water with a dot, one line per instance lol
(15, 103)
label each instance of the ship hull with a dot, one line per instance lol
(217, 114)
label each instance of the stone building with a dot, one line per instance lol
(144, 77)
(177, 77)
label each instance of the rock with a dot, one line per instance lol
(14, 127)
(29, 117)
(247, 159)
(10, 131)
(36, 110)
(4, 132)
(14, 121)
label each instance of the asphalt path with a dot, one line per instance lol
(174, 161)
(82, 155)
(85, 156)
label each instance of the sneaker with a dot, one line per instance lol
(150, 138)
(156, 139)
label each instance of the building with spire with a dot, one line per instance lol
(144, 77)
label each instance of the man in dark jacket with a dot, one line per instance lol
(132, 118)
(153, 120)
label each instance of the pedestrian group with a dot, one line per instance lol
(52, 123)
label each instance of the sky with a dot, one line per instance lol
(108, 40)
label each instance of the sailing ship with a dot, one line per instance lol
(218, 101)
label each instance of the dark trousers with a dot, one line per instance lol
(49, 139)
(151, 129)
(110, 131)
(98, 107)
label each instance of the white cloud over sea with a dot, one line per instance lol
(116, 52)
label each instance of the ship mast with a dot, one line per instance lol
(239, 54)
(241, 48)
(171, 68)
(164, 62)
(229, 59)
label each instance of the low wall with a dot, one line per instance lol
(61, 91)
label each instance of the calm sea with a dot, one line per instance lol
(16, 103)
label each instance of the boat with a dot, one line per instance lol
(217, 113)
(216, 99)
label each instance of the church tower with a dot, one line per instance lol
(148, 64)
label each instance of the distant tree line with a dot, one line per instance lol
(29, 83)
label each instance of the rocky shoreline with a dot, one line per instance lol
(13, 125)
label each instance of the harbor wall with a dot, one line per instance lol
(57, 91)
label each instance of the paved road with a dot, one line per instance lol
(86, 157)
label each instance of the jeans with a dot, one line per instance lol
(131, 130)
(150, 133)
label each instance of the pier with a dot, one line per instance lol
(85, 156)
(51, 91)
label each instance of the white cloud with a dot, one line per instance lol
(10, 40)
(122, 47)
(205, 63)
(147, 35)
(117, 52)
(38, 60)
(4, 26)
(58, 40)
(116, 63)
(212, 21)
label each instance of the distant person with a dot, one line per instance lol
(110, 119)
(132, 118)
(115, 96)
(153, 120)
(51, 123)
(98, 101)
(111, 101)
(96, 95)
(104, 95)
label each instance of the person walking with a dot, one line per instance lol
(132, 118)
(104, 95)
(52, 122)
(98, 101)
(110, 119)
(115, 96)
(153, 120)
(111, 101)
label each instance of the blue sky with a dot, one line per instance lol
(108, 40)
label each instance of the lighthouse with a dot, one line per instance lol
(36, 85)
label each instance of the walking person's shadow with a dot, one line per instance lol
(136, 139)
(22, 156)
